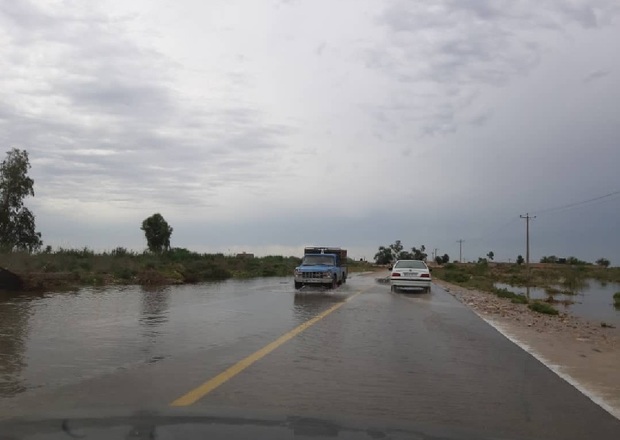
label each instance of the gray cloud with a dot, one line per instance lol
(595, 75)
(428, 121)
(116, 128)
(456, 48)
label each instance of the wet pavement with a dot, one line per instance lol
(381, 356)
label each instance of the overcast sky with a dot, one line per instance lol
(264, 126)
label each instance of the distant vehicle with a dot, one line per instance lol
(410, 274)
(322, 266)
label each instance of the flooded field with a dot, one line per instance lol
(592, 299)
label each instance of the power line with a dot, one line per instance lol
(583, 202)
(488, 234)
(545, 211)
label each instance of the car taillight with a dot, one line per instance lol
(425, 275)
(395, 274)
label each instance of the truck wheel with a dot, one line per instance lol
(334, 283)
(298, 285)
(344, 278)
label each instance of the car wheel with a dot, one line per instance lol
(393, 289)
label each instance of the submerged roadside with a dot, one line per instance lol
(584, 353)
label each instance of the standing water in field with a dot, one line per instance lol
(590, 299)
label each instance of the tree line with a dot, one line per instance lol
(18, 231)
(396, 251)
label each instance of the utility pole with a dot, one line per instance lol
(434, 254)
(527, 218)
(460, 242)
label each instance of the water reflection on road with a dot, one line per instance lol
(311, 302)
(58, 338)
(153, 314)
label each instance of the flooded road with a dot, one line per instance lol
(59, 338)
(359, 351)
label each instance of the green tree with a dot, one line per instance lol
(157, 232)
(603, 262)
(419, 254)
(17, 226)
(386, 255)
(549, 259)
(445, 259)
(520, 259)
(405, 255)
(575, 261)
(397, 248)
(395, 251)
(383, 255)
(491, 255)
(439, 260)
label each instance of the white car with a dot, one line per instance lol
(410, 274)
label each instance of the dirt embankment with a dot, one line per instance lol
(584, 353)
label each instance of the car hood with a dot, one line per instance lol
(170, 424)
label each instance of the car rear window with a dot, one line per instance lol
(410, 264)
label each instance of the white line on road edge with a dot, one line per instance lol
(557, 369)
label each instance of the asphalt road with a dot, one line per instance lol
(359, 352)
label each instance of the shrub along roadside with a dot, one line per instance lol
(177, 266)
(479, 276)
(617, 299)
(542, 307)
(70, 267)
(514, 297)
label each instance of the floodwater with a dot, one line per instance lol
(393, 359)
(58, 338)
(593, 300)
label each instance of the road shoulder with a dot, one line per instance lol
(583, 353)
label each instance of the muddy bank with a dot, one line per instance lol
(585, 353)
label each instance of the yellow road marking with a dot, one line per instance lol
(198, 393)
